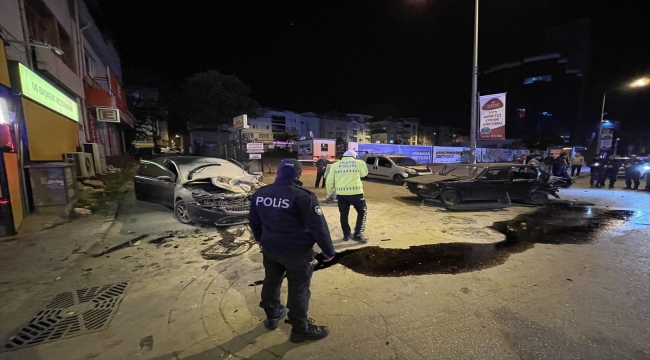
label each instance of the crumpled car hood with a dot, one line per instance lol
(239, 185)
(428, 179)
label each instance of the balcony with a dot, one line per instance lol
(51, 64)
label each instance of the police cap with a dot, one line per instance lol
(292, 163)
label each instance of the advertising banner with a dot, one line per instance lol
(40, 91)
(419, 153)
(492, 117)
(450, 155)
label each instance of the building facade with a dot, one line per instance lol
(396, 131)
(43, 61)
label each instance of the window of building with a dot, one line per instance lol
(534, 79)
(254, 126)
(264, 136)
(354, 132)
(44, 28)
(90, 68)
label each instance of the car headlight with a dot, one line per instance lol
(646, 168)
(423, 186)
(410, 171)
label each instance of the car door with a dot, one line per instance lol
(167, 189)
(492, 184)
(371, 163)
(153, 183)
(384, 168)
(525, 178)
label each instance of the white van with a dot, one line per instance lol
(394, 168)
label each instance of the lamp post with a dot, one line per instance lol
(635, 84)
(474, 117)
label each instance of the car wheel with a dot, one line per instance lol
(451, 197)
(537, 198)
(398, 179)
(180, 212)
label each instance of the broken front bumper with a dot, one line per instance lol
(217, 217)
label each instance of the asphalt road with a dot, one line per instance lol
(571, 284)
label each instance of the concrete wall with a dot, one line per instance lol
(11, 29)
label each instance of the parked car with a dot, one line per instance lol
(394, 168)
(456, 184)
(199, 189)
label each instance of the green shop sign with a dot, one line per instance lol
(37, 89)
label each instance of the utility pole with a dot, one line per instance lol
(472, 131)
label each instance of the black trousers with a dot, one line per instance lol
(319, 176)
(298, 270)
(359, 204)
(597, 177)
(610, 174)
(632, 176)
(575, 170)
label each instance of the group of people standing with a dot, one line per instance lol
(603, 169)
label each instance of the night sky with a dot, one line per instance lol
(322, 55)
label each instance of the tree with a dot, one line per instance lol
(211, 99)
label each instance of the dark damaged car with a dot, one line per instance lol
(479, 184)
(199, 189)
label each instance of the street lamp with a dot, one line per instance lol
(57, 50)
(635, 84)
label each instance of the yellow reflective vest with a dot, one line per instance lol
(345, 175)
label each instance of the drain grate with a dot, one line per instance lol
(220, 251)
(70, 314)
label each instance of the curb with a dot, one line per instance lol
(101, 232)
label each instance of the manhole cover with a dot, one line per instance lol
(220, 250)
(468, 232)
(70, 314)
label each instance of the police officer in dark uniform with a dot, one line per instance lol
(286, 221)
(597, 172)
(611, 166)
(633, 172)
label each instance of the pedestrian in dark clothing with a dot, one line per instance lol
(548, 164)
(321, 166)
(559, 166)
(611, 171)
(597, 172)
(286, 221)
(633, 172)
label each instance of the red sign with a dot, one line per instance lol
(117, 91)
(108, 115)
(91, 123)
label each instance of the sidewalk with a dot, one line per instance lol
(39, 256)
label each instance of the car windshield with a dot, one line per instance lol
(214, 170)
(464, 171)
(404, 161)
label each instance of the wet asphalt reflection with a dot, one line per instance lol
(547, 225)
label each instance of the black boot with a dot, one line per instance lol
(309, 332)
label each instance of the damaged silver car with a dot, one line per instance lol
(199, 189)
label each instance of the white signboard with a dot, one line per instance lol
(449, 155)
(255, 156)
(240, 122)
(492, 117)
(253, 148)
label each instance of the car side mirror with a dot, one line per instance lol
(165, 178)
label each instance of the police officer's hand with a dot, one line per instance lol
(326, 259)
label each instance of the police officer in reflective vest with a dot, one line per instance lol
(345, 178)
(286, 221)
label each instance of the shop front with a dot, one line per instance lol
(11, 201)
(108, 117)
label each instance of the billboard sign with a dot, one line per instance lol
(492, 117)
(450, 155)
(108, 115)
(240, 122)
(42, 92)
(419, 153)
(255, 148)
